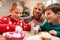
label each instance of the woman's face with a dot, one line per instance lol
(16, 13)
(51, 16)
(37, 11)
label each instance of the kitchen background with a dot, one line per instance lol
(28, 5)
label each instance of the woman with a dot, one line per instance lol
(38, 17)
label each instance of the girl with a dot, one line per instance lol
(9, 23)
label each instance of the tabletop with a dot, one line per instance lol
(28, 34)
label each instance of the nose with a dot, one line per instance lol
(19, 15)
(37, 10)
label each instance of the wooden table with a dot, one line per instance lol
(29, 34)
(1, 37)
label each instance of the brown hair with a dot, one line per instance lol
(14, 5)
(55, 7)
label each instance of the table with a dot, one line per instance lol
(28, 33)
(1, 37)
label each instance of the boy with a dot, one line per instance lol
(52, 15)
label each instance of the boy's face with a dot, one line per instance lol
(16, 13)
(37, 11)
(51, 16)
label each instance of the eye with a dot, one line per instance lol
(48, 13)
(16, 12)
(20, 13)
(35, 8)
(39, 9)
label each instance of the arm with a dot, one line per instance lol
(55, 33)
(5, 26)
(43, 26)
(26, 27)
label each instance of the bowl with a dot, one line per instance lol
(14, 35)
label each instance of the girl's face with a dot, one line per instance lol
(37, 11)
(16, 13)
(51, 16)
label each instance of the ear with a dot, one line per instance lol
(58, 13)
(58, 17)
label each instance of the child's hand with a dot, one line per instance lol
(18, 29)
(53, 32)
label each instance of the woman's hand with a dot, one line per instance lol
(33, 22)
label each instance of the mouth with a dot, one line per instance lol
(17, 17)
(49, 20)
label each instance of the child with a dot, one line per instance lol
(52, 25)
(9, 23)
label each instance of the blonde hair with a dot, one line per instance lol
(42, 19)
(42, 5)
(14, 5)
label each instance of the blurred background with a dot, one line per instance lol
(27, 4)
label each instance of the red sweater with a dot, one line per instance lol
(9, 24)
